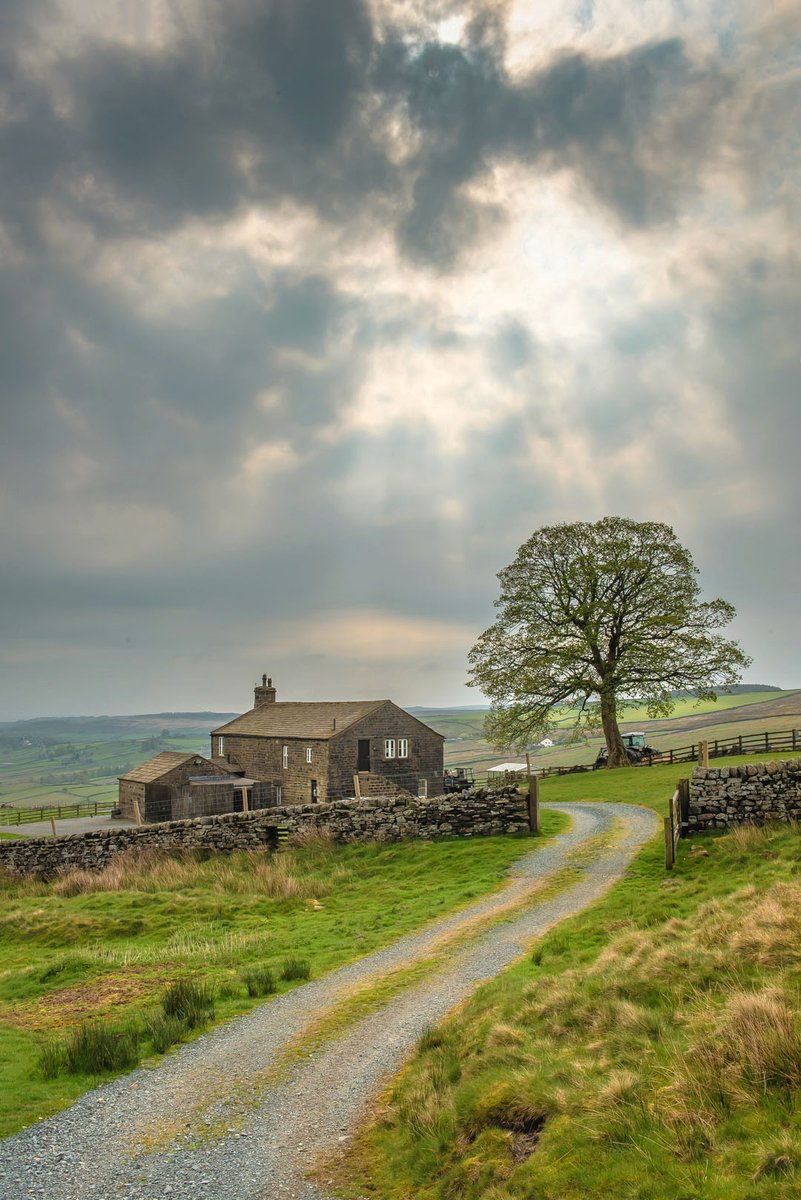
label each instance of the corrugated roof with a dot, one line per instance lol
(308, 718)
(154, 768)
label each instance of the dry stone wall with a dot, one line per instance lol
(381, 819)
(752, 794)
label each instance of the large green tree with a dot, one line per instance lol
(593, 617)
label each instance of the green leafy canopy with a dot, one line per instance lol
(596, 616)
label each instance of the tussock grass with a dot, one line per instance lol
(94, 1048)
(779, 1157)
(259, 981)
(190, 1001)
(278, 876)
(164, 1031)
(295, 968)
(321, 841)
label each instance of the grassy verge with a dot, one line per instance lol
(650, 786)
(649, 1048)
(109, 946)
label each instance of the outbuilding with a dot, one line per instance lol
(151, 791)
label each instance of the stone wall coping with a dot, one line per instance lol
(746, 770)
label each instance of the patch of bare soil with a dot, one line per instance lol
(71, 1005)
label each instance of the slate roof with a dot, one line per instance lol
(154, 768)
(301, 719)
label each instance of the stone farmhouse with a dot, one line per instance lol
(306, 752)
(290, 752)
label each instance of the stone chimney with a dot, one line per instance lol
(264, 693)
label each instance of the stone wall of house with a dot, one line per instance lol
(131, 793)
(389, 819)
(335, 759)
(262, 758)
(424, 761)
(746, 795)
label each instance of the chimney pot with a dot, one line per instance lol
(264, 693)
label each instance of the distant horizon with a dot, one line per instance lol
(216, 713)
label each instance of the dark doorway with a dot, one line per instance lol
(364, 754)
(314, 791)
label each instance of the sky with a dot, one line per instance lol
(314, 310)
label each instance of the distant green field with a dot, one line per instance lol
(45, 775)
(742, 713)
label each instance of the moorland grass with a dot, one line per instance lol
(648, 1048)
(189, 1001)
(295, 968)
(108, 945)
(259, 980)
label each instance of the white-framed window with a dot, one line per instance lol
(308, 754)
(422, 788)
(278, 793)
(389, 747)
(403, 747)
(285, 757)
(220, 746)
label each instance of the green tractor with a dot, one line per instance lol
(636, 749)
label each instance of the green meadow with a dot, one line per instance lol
(110, 945)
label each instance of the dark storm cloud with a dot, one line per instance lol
(627, 124)
(293, 100)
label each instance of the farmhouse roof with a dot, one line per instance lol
(154, 768)
(317, 719)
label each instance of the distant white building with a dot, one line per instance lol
(546, 742)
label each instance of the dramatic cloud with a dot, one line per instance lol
(312, 313)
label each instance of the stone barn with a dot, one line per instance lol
(309, 751)
(160, 785)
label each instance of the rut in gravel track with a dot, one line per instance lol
(240, 1113)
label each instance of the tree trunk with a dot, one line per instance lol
(616, 755)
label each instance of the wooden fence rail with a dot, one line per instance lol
(743, 743)
(57, 812)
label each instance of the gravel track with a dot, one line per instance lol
(219, 1120)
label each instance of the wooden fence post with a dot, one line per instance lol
(703, 754)
(53, 825)
(669, 849)
(245, 800)
(137, 812)
(533, 799)
(357, 787)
